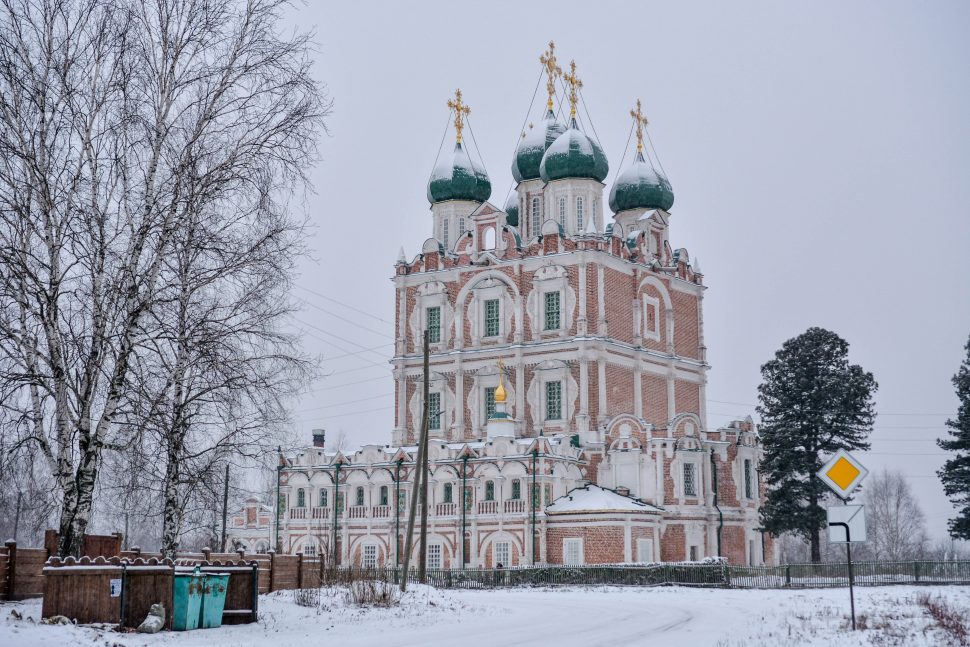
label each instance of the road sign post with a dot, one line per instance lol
(848, 554)
(843, 474)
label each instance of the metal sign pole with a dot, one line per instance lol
(848, 552)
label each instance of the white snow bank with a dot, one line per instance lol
(565, 617)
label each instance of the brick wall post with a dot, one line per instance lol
(207, 554)
(272, 570)
(11, 568)
(299, 570)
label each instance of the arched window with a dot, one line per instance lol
(360, 496)
(300, 498)
(536, 222)
(489, 490)
(383, 495)
(444, 233)
(579, 214)
(449, 493)
(323, 499)
(489, 238)
(562, 212)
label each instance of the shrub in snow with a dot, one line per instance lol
(307, 597)
(373, 593)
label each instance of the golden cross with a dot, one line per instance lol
(553, 71)
(640, 122)
(574, 84)
(461, 111)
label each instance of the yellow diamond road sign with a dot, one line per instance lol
(843, 473)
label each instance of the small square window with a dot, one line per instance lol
(491, 318)
(489, 402)
(572, 551)
(434, 325)
(748, 489)
(690, 479)
(552, 311)
(501, 556)
(554, 400)
(434, 411)
(434, 556)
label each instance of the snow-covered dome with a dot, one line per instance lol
(573, 155)
(529, 152)
(457, 177)
(512, 209)
(641, 187)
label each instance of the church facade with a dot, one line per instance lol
(567, 416)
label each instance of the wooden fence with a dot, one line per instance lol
(122, 591)
(20, 572)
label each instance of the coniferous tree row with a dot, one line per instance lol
(812, 402)
(955, 474)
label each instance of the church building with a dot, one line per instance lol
(567, 415)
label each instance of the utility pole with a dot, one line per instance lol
(279, 506)
(225, 505)
(425, 425)
(418, 472)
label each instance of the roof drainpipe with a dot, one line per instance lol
(535, 495)
(720, 515)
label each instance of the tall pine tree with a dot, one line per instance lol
(812, 403)
(955, 474)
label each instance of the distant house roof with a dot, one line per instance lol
(593, 498)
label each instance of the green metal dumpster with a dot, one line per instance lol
(214, 599)
(187, 600)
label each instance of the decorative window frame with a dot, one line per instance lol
(429, 295)
(490, 289)
(552, 371)
(551, 278)
(651, 303)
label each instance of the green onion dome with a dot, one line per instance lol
(512, 209)
(529, 152)
(641, 187)
(573, 155)
(457, 177)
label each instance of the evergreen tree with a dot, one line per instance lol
(812, 403)
(955, 474)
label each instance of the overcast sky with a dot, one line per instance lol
(819, 154)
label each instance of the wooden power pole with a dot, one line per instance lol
(418, 481)
(425, 429)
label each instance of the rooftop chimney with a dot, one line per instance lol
(319, 438)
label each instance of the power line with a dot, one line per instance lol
(343, 404)
(353, 353)
(343, 339)
(346, 384)
(346, 305)
(350, 321)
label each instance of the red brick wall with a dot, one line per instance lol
(672, 543)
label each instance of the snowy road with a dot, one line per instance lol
(566, 617)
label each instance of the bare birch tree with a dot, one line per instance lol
(118, 120)
(895, 523)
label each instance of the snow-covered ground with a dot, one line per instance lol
(565, 617)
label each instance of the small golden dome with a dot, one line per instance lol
(500, 391)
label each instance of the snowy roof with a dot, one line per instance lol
(593, 498)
